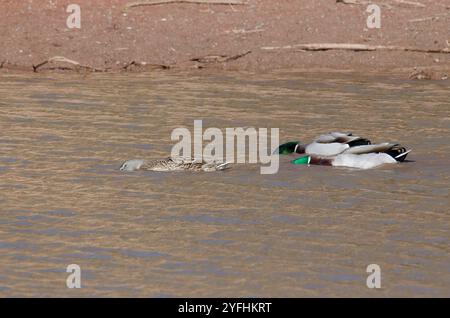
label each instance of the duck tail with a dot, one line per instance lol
(398, 152)
(223, 166)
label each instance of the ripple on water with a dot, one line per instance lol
(236, 233)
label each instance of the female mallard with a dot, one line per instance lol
(345, 150)
(169, 164)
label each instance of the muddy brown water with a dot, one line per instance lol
(305, 231)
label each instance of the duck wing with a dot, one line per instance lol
(326, 149)
(339, 137)
(332, 137)
(396, 151)
(382, 147)
(196, 164)
(215, 166)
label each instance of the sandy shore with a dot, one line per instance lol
(227, 37)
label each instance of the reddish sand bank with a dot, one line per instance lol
(232, 37)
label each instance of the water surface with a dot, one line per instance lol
(305, 231)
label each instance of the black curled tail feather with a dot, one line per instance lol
(398, 152)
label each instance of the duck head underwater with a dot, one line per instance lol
(332, 149)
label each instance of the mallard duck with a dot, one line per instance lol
(362, 161)
(169, 164)
(330, 144)
(345, 150)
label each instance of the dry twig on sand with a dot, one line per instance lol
(361, 2)
(427, 75)
(157, 2)
(65, 60)
(352, 47)
(410, 3)
(398, 2)
(219, 58)
(128, 66)
(432, 18)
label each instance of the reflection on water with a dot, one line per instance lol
(305, 231)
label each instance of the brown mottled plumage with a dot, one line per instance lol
(169, 164)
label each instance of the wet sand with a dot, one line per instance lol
(306, 231)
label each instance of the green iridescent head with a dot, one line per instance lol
(302, 160)
(288, 148)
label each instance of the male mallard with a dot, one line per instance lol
(362, 161)
(345, 150)
(330, 144)
(169, 164)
